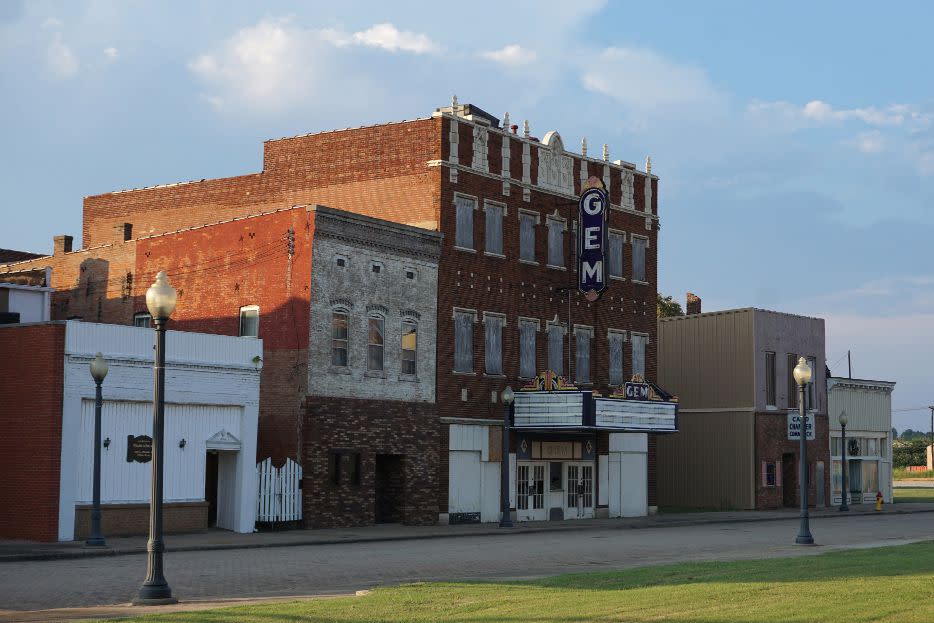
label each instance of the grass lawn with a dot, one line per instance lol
(882, 584)
(913, 494)
(900, 473)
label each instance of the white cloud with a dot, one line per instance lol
(52, 23)
(267, 66)
(645, 81)
(819, 111)
(869, 142)
(512, 54)
(111, 53)
(385, 36)
(60, 59)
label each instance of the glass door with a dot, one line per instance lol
(578, 491)
(530, 492)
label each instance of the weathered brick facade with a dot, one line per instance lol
(772, 444)
(370, 428)
(32, 360)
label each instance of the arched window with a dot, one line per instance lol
(339, 338)
(376, 330)
(409, 347)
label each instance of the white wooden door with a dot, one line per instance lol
(530, 492)
(578, 488)
(464, 479)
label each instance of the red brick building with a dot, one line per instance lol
(505, 204)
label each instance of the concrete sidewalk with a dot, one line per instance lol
(13, 551)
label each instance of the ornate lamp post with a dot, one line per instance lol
(99, 369)
(802, 374)
(160, 299)
(508, 401)
(843, 421)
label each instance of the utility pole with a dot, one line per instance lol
(849, 364)
(932, 434)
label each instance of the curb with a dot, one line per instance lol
(61, 555)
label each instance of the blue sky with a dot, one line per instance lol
(794, 141)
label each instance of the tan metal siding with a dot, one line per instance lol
(709, 463)
(866, 409)
(707, 360)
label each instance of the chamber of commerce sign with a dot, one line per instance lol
(794, 427)
(592, 239)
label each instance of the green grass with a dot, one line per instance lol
(900, 473)
(912, 494)
(882, 584)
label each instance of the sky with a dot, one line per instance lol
(794, 140)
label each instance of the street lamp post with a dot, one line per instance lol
(508, 403)
(802, 374)
(99, 369)
(160, 299)
(843, 421)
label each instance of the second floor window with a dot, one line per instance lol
(616, 357)
(463, 236)
(812, 397)
(409, 347)
(638, 353)
(555, 242)
(792, 361)
(374, 350)
(493, 343)
(463, 341)
(615, 254)
(638, 258)
(339, 339)
(527, 224)
(249, 321)
(527, 338)
(494, 228)
(582, 364)
(556, 348)
(770, 379)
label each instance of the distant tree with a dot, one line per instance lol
(894, 434)
(907, 453)
(907, 434)
(667, 306)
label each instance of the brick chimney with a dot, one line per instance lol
(123, 232)
(694, 304)
(61, 244)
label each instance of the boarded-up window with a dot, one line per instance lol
(463, 341)
(555, 242)
(638, 353)
(582, 362)
(616, 358)
(494, 229)
(527, 237)
(493, 344)
(556, 348)
(638, 258)
(464, 235)
(615, 256)
(770, 379)
(527, 338)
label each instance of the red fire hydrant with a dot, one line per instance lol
(878, 500)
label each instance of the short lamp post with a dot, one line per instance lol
(160, 299)
(843, 421)
(802, 374)
(508, 404)
(99, 369)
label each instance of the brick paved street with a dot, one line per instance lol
(306, 570)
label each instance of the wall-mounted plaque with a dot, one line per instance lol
(138, 448)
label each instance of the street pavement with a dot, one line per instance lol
(347, 567)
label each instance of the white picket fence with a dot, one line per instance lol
(280, 493)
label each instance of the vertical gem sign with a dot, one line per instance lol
(592, 239)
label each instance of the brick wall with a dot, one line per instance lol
(772, 442)
(133, 519)
(370, 427)
(32, 366)
(379, 171)
(216, 271)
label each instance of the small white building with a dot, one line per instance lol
(211, 411)
(868, 407)
(25, 296)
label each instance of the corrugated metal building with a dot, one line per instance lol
(732, 372)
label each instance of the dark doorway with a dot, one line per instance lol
(789, 480)
(390, 487)
(210, 487)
